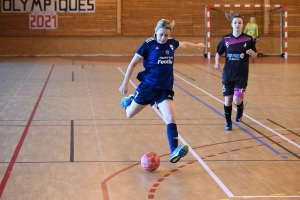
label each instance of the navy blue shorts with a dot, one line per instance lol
(145, 95)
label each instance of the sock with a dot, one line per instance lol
(241, 105)
(172, 136)
(227, 112)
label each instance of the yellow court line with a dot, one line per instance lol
(279, 194)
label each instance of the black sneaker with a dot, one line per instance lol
(228, 126)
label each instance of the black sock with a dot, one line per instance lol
(227, 112)
(172, 136)
(241, 105)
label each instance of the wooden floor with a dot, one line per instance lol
(64, 136)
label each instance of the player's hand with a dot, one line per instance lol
(250, 52)
(201, 46)
(123, 88)
(217, 66)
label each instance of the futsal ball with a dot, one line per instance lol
(150, 161)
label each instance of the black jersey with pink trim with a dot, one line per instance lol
(236, 60)
(158, 60)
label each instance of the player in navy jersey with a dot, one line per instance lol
(238, 47)
(157, 81)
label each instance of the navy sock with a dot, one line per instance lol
(172, 136)
(241, 105)
(228, 111)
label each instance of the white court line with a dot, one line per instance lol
(17, 92)
(278, 196)
(94, 121)
(209, 171)
(254, 120)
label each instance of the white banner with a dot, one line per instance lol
(47, 6)
(43, 21)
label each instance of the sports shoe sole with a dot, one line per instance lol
(183, 151)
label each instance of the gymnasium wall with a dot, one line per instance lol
(118, 28)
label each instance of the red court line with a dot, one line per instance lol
(19, 146)
(104, 186)
(103, 183)
(152, 190)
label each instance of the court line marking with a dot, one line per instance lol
(246, 197)
(208, 170)
(236, 124)
(252, 119)
(151, 193)
(72, 142)
(17, 92)
(19, 146)
(286, 129)
(94, 121)
(218, 181)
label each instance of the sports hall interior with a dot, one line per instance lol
(63, 134)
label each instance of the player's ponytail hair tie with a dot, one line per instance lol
(164, 23)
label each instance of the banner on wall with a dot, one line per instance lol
(43, 21)
(47, 6)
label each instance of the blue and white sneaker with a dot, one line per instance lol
(178, 153)
(126, 101)
(228, 126)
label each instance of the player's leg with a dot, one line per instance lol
(228, 90)
(238, 97)
(133, 104)
(167, 109)
(134, 108)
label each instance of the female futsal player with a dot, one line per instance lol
(238, 47)
(157, 81)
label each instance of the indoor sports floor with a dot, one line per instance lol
(64, 136)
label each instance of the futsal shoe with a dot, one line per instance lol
(126, 101)
(239, 114)
(228, 126)
(178, 153)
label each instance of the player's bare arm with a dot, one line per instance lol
(124, 87)
(217, 61)
(251, 53)
(186, 45)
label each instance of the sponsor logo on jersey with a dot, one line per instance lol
(165, 60)
(156, 48)
(234, 56)
(167, 51)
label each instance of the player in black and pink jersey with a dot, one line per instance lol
(238, 48)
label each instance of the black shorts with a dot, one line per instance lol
(145, 95)
(229, 86)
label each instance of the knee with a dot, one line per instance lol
(129, 114)
(170, 119)
(237, 101)
(228, 102)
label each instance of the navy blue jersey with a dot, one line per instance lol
(237, 61)
(158, 60)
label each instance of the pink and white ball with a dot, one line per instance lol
(150, 161)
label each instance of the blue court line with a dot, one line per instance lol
(237, 125)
